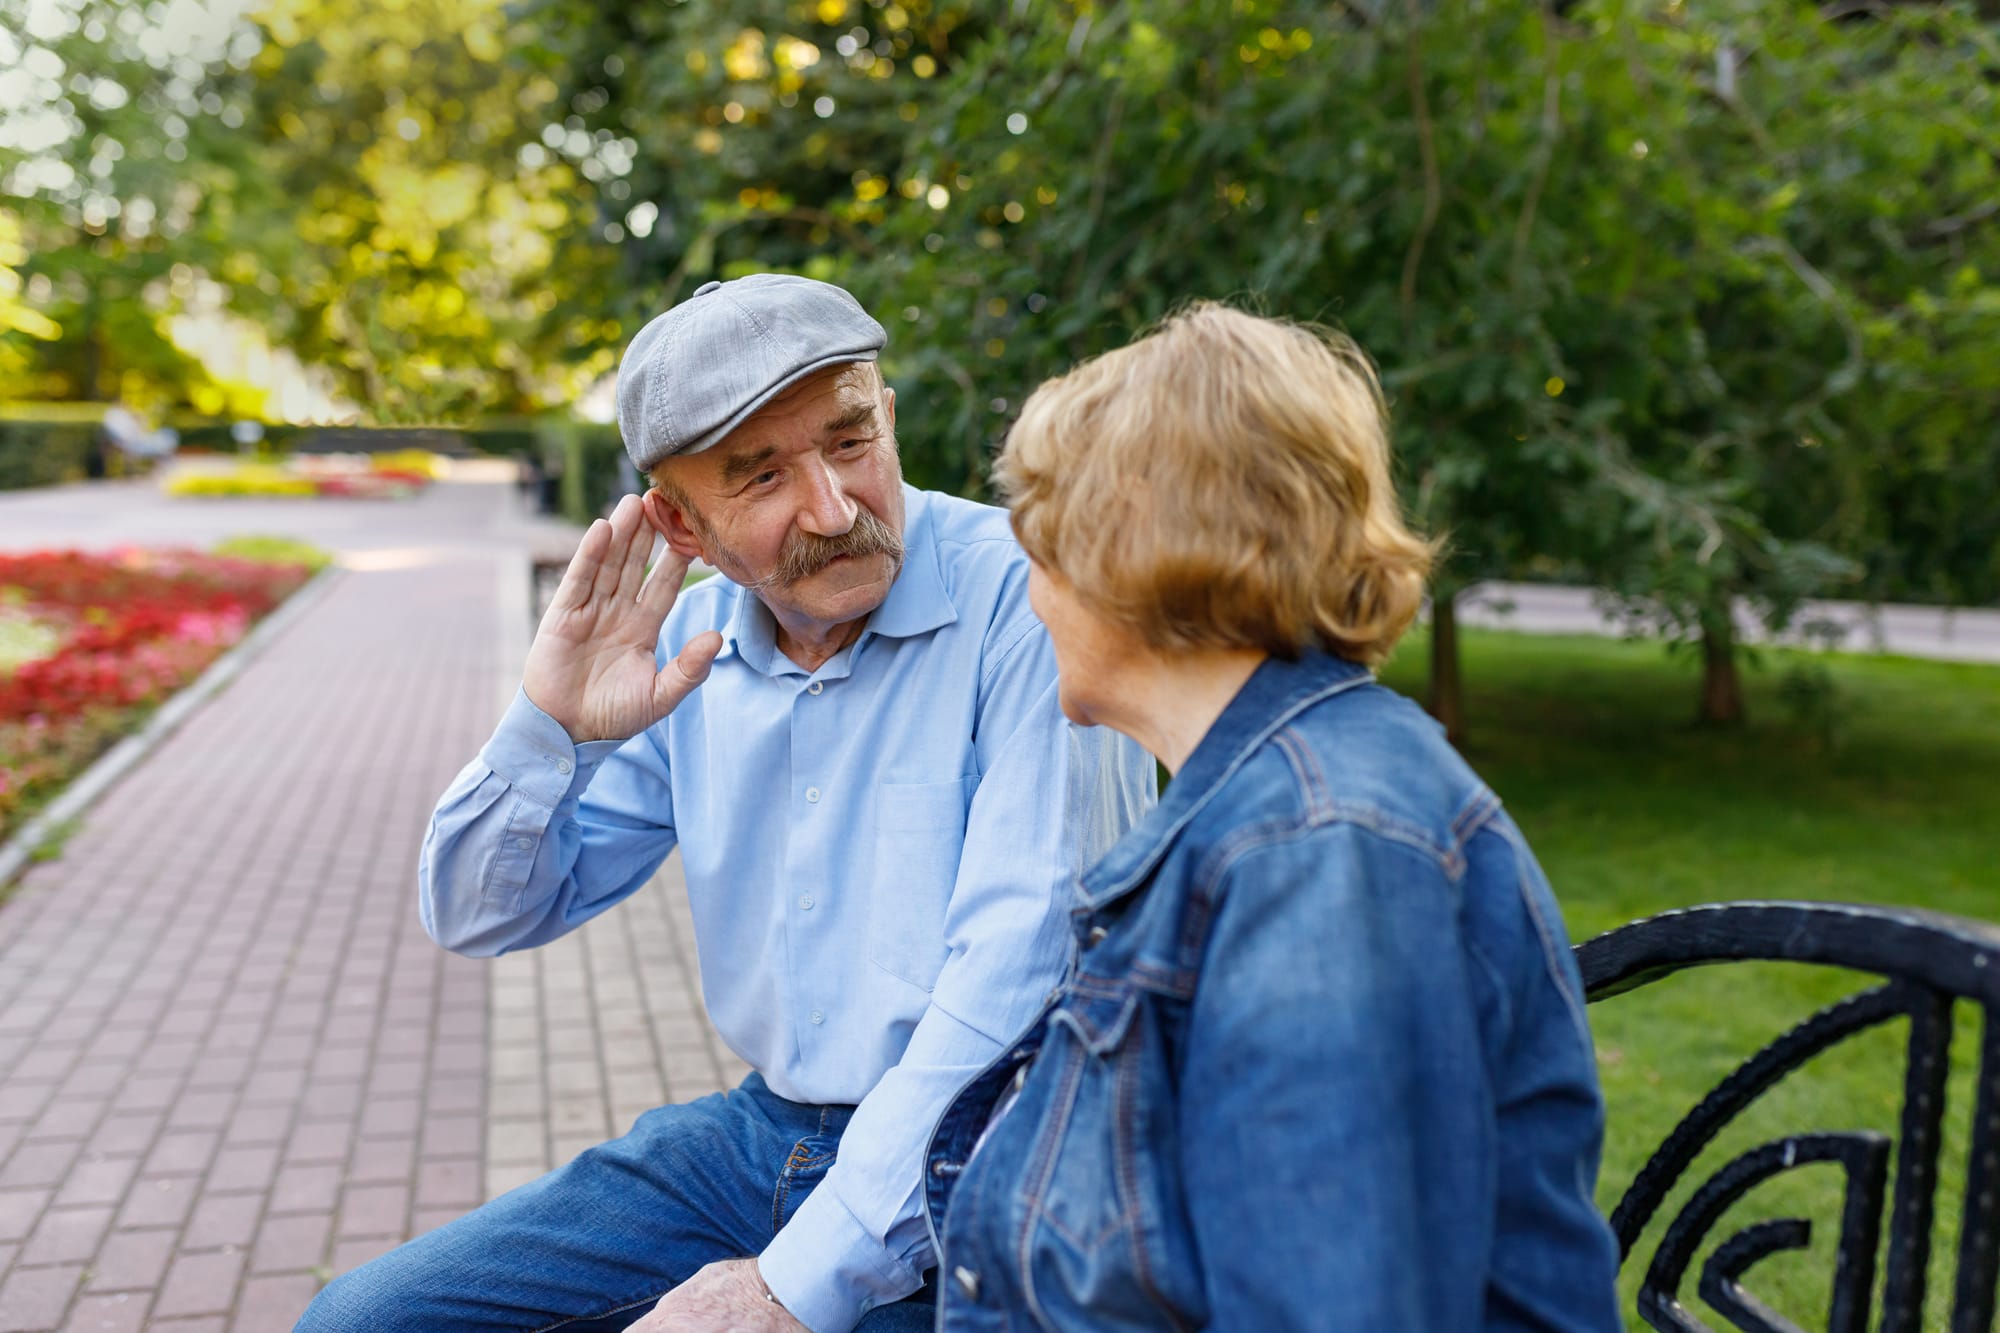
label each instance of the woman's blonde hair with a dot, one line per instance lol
(1223, 482)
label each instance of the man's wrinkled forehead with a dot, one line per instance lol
(837, 401)
(848, 399)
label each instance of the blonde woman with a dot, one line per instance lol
(1323, 1062)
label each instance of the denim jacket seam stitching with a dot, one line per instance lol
(1172, 983)
(1042, 1168)
(1499, 980)
(1523, 889)
(1479, 811)
(1221, 859)
(1373, 819)
(1306, 769)
(1125, 1096)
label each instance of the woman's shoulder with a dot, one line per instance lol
(1363, 760)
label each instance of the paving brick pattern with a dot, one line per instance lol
(231, 1064)
(594, 1029)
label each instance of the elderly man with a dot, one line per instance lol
(855, 742)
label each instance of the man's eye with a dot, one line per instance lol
(849, 446)
(763, 478)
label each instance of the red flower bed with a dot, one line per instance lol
(133, 626)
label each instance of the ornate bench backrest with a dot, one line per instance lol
(1928, 963)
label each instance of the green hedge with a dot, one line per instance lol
(216, 436)
(45, 451)
(585, 455)
(507, 437)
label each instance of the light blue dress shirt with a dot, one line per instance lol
(881, 857)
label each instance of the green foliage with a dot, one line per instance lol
(768, 134)
(1652, 313)
(1695, 303)
(412, 254)
(119, 171)
(45, 452)
(274, 551)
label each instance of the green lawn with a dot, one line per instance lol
(1633, 810)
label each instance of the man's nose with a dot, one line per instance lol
(829, 510)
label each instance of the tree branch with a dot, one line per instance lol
(1551, 130)
(1433, 187)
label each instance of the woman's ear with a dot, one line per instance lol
(669, 522)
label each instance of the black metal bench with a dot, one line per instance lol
(1928, 962)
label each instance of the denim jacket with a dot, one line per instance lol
(1322, 1062)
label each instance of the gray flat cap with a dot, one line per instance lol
(698, 371)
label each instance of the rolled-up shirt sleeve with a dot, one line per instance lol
(1051, 798)
(539, 834)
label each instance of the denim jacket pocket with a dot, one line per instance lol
(1097, 1012)
(1085, 1190)
(919, 837)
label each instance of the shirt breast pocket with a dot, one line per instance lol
(919, 838)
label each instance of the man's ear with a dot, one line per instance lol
(889, 405)
(669, 522)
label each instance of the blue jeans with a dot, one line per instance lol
(594, 1245)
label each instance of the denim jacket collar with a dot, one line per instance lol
(1275, 693)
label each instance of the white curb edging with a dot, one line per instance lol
(18, 852)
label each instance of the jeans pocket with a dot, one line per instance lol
(812, 1157)
(919, 837)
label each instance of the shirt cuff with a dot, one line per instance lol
(535, 755)
(828, 1270)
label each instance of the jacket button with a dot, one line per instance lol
(1097, 934)
(967, 1282)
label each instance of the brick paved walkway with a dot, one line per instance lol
(231, 1064)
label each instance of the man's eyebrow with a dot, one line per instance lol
(856, 414)
(741, 467)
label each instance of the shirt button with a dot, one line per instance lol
(812, 795)
(524, 843)
(967, 1281)
(562, 765)
(806, 901)
(815, 687)
(817, 1016)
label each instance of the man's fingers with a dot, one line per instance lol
(574, 590)
(678, 679)
(624, 517)
(663, 585)
(632, 572)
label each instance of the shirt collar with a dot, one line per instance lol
(917, 602)
(1276, 692)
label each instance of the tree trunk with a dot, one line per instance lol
(1447, 694)
(1721, 686)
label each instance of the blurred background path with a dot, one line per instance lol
(231, 1064)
